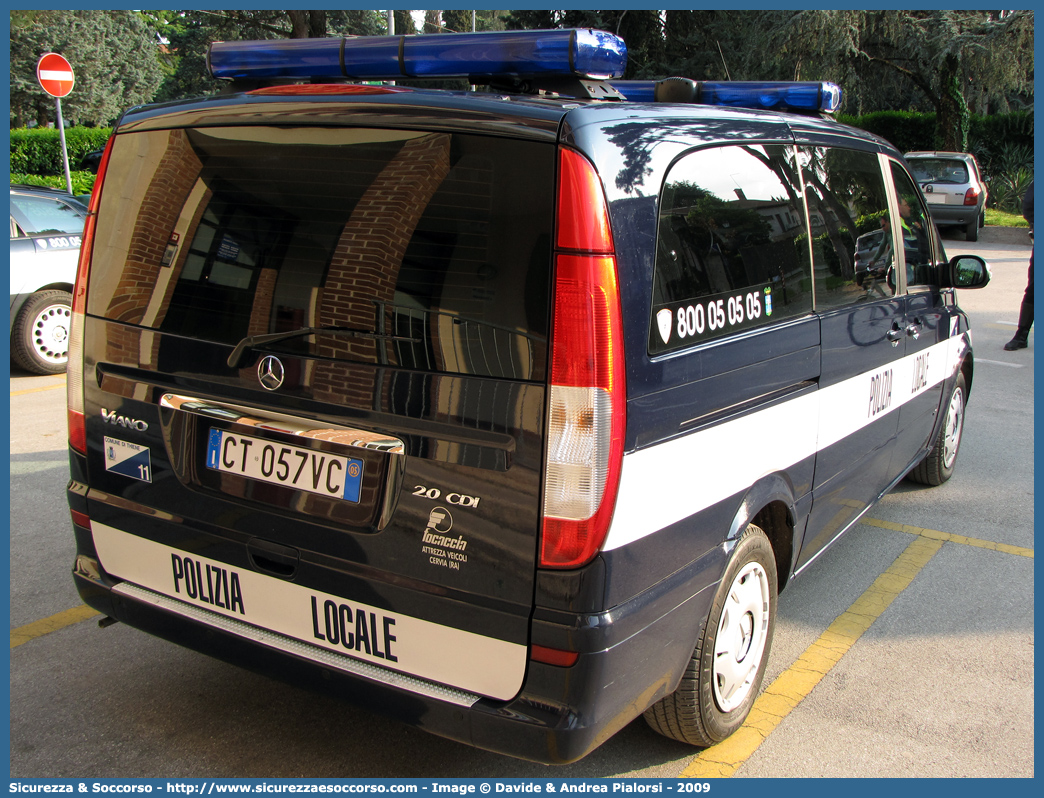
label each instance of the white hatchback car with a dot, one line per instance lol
(46, 225)
(953, 185)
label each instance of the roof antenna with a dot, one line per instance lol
(720, 53)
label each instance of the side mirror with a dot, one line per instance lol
(969, 271)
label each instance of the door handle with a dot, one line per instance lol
(895, 335)
(914, 330)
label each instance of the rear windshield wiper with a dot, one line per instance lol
(235, 360)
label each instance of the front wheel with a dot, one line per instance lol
(40, 335)
(728, 664)
(937, 466)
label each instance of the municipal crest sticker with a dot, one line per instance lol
(128, 459)
(665, 321)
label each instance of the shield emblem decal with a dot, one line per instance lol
(665, 320)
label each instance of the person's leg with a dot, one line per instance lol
(1021, 339)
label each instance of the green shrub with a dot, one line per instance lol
(39, 151)
(909, 131)
(82, 182)
(1002, 144)
(1008, 188)
(906, 130)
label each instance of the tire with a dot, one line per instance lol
(725, 672)
(40, 336)
(937, 466)
(971, 231)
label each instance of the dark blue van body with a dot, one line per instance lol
(316, 367)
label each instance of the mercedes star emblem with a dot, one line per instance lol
(270, 372)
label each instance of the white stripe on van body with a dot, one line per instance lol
(393, 640)
(668, 482)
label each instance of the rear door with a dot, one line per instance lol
(926, 369)
(863, 338)
(945, 181)
(370, 490)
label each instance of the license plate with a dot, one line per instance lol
(280, 464)
(936, 198)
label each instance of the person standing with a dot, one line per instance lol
(1021, 339)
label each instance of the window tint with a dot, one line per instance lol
(732, 252)
(45, 215)
(852, 245)
(915, 225)
(435, 245)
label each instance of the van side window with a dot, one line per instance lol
(852, 246)
(916, 228)
(731, 245)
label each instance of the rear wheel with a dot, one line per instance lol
(938, 466)
(725, 671)
(40, 335)
(971, 231)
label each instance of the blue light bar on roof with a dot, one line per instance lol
(768, 95)
(581, 53)
(773, 96)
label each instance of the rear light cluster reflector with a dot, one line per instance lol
(586, 404)
(553, 656)
(971, 196)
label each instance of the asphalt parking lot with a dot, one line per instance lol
(906, 650)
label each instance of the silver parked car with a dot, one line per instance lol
(46, 225)
(953, 185)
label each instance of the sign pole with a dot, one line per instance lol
(55, 75)
(65, 150)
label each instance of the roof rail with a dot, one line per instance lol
(522, 60)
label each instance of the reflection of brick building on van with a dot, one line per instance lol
(151, 242)
(364, 269)
(393, 240)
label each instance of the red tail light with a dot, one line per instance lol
(553, 656)
(971, 196)
(74, 370)
(586, 416)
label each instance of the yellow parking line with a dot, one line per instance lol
(794, 684)
(37, 390)
(948, 538)
(31, 631)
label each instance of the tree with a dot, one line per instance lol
(190, 34)
(900, 60)
(114, 54)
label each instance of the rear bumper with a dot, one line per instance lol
(629, 658)
(945, 215)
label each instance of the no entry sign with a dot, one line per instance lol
(55, 74)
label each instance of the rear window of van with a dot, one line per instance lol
(438, 242)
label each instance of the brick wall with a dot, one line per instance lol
(171, 183)
(367, 259)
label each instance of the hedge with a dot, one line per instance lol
(82, 182)
(908, 131)
(39, 151)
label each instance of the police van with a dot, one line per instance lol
(507, 413)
